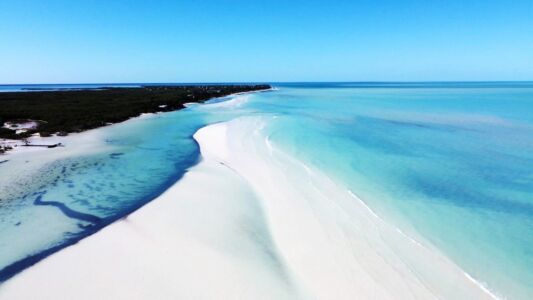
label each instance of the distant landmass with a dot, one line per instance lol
(75, 110)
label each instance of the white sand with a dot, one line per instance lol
(24, 162)
(248, 222)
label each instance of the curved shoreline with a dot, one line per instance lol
(96, 225)
(17, 146)
(76, 144)
(307, 238)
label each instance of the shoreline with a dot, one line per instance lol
(43, 112)
(19, 145)
(26, 161)
(277, 218)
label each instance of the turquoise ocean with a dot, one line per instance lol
(451, 163)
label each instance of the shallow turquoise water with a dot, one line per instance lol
(451, 162)
(75, 197)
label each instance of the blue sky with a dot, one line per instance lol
(213, 41)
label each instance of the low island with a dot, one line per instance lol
(61, 112)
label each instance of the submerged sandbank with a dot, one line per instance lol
(247, 222)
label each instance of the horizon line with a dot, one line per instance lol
(271, 82)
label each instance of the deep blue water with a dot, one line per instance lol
(451, 162)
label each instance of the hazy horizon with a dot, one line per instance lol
(267, 82)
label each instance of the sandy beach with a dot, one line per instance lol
(247, 222)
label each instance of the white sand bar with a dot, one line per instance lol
(248, 222)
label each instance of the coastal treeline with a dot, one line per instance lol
(66, 111)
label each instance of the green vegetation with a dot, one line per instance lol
(78, 110)
(6, 133)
